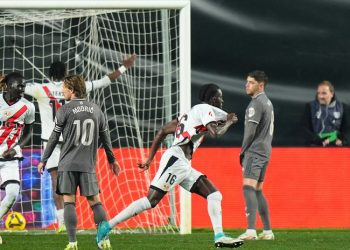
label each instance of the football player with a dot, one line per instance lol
(16, 119)
(175, 165)
(50, 99)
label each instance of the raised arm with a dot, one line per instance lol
(127, 63)
(107, 80)
(168, 128)
(217, 131)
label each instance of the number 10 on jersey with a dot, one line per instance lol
(84, 132)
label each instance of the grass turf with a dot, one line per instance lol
(199, 239)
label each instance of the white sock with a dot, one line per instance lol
(11, 193)
(215, 212)
(60, 218)
(133, 209)
(251, 232)
(267, 231)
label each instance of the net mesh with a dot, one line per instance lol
(92, 43)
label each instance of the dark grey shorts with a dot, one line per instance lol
(68, 182)
(254, 168)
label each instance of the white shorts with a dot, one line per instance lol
(52, 162)
(9, 171)
(174, 169)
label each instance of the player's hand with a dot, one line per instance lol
(232, 118)
(41, 167)
(129, 62)
(115, 168)
(143, 166)
(325, 143)
(339, 143)
(9, 154)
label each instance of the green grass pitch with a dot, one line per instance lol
(200, 239)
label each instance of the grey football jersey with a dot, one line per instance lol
(80, 123)
(260, 112)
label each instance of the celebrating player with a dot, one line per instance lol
(175, 165)
(16, 118)
(255, 154)
(50, 98)
(81, 124)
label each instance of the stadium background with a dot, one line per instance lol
(298, 46)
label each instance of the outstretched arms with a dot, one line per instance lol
(127, 63)
(107, 80)
(168, 128)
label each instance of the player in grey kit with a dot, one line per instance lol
(255, 154)
(81, 124)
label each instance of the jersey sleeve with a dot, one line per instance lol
(103, 122)
(254, 112)
(33, 89)
(60, 120)
(97, 84)
(220, 115)
(207, 115)
(106, 138)
(30, 116)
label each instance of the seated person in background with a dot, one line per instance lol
(324, 121)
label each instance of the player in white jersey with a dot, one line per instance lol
(175, 165)
(49, 97)
(16, 118)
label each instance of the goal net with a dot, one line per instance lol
(92, 43)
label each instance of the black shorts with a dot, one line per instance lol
(68, 182)
(254, 167)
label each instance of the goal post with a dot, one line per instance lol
(92, 37)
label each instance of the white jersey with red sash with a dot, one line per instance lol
(192, 125)
(12, 120)
(50, 99)
(175, 168)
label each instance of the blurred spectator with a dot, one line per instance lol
(324, 121)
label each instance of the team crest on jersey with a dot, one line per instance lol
(336, 115)
(251, 112)
(210, 113)
(7, 113)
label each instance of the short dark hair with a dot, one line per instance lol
(76, 83)
(12, 77)
(208, 91)
(57, 70)
(259, 76)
